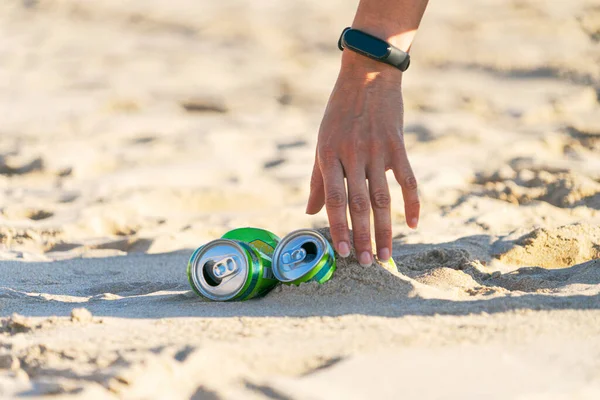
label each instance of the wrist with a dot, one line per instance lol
(364, 69)
(397, 24)
(392, 33)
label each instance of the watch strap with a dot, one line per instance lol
(395, 57)
(398, 58)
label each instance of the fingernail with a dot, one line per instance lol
(414, 222)
(343, 249)
(365, 259)
(384, 254)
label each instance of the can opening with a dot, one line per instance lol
(311, 251)
(209, 275)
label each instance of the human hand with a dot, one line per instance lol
(361, 137)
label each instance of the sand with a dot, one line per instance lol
(133, 132)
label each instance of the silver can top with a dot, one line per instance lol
(220, 269)
(297, 254)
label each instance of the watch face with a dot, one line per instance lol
(366, 43)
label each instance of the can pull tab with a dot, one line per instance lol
(292, 258)
(225, 267)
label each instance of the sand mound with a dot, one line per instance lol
(523, 185)
(444, 268)
(551, 248)
(429, 272)
(439, 257)
(449, 279)
(350, 280)
(437, 271)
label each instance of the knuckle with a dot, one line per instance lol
(338, 228)
(410, 182)
(362, 238)
(359, 204)
(415, 204)
(381, 199)
(335, 198)
(384, 232)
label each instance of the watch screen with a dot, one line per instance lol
(360, 41)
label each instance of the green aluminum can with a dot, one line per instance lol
(235, 267)
(303, 256)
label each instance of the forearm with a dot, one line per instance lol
(395, 21)
(361, 137)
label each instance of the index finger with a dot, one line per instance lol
(335, 204)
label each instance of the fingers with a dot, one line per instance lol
(380, 202)
(406, 178)
(335, 200)
(316, 199)
(360, 208)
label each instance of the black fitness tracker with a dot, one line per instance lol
(373, 47)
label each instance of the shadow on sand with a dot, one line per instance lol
(155, 286)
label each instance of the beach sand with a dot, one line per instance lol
(133, 132)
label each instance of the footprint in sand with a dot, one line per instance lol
(10, 166)
(20, 213)
(523, 184)
(586, 134)
(580, 278)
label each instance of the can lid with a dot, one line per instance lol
(297, 254)
(219, 269)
